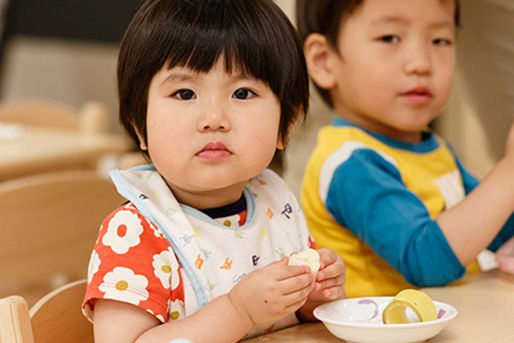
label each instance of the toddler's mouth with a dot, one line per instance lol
(214, 150)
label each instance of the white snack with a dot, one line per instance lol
(309, 257)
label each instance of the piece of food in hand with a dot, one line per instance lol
(309, 257)
(396, 312)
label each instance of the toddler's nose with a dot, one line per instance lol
(214, 119)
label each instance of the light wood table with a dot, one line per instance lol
(485, 303)
(38, 150)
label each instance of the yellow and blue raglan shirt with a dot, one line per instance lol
(374, 201)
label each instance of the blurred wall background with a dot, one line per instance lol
(482, 108)
(66, 50)
(63, 50)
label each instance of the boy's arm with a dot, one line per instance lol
(474, 222)
(470, 183)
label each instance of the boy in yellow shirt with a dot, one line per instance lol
(381, 189)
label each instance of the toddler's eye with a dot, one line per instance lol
(442, 41)
(184, 94)
(243, 94)
(389, 39)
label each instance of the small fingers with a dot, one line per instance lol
(327, 257)
(328, 283)
(297, 283)
(336, 269)
(334, 292)
(294, 307)
(284, 272)
(297, 296)
(275, 264)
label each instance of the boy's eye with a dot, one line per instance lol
(389, 39)
(442, 41)
(243, 94)
(184, 94)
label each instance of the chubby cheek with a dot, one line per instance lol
(444, 72)
(366, 94)
(165, 143)
(445, 88)
(259, 146)
(377, 82)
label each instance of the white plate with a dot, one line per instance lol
(360, 320)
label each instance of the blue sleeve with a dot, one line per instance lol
(470, 183)
(367, 195)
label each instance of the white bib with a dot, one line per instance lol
(216, 257)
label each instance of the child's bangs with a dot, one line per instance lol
(244, 37)
(201, 53)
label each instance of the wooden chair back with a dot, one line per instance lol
(40, 113)
(15, 324)
(92, 116)
(48, 227)
(55, 318)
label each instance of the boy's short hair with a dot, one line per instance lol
(253, 36)
(325, 17)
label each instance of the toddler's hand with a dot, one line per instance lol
(505, 256)
(330, 278)
(273, 292)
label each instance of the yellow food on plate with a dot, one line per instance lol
(418, 301)
(309, 257)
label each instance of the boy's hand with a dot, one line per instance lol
(273, 292)
(330, 277)
(505, 256)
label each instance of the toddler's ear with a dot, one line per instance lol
(282, 141)
(142, 143)
(318, 52)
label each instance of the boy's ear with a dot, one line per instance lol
(318, 54)
(282, 141)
